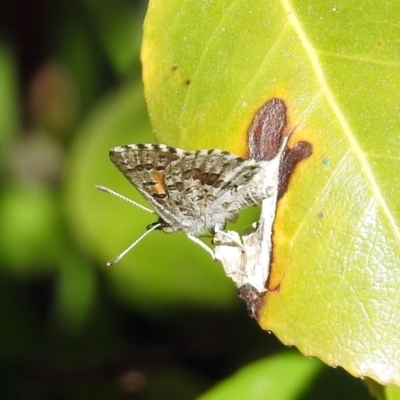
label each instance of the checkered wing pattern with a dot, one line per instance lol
(195, 191)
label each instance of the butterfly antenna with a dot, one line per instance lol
(108, 190)
(116, 259)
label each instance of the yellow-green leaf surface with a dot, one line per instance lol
(209, 66)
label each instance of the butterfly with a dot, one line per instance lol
(196, 192)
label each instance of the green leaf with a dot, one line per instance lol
(209, 66)
(268, 379)
(379, 392)
(116, 24)
(75, 294)
(31, 225)
(8, 101)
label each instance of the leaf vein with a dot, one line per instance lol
(318, 70)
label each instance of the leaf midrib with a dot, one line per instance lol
(357, 151)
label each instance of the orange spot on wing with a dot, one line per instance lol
(160, 187)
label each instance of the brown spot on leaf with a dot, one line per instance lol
(290, 159)
(265, 133)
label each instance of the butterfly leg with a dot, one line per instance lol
(201, 244)
(231, 237)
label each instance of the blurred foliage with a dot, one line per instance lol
(164, 323)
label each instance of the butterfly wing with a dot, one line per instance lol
(145, 167)
(193, 191)
(209, 187)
